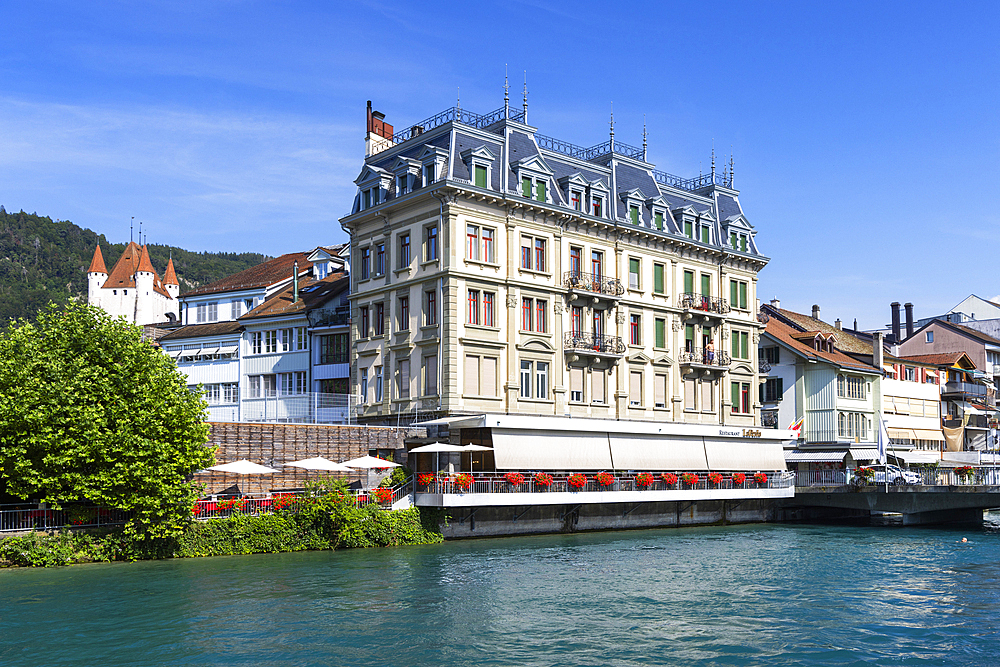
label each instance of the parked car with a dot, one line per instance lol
(893, 475)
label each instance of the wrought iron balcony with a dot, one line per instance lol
(763, 367)
(589, 343)
(699, 357)
(704, 303)
(595, 283)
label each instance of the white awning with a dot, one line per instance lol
(888, 368)
(798, 456)
(744, 455)
(917, 457)
(474, 421)
(550, 450)
(864, 454)
(209, 350)
(190, 352)
(655, 452)
(173, 354)
(931, 373)
(968, 407)
(227, 349)
(927, 434)
(901, 434)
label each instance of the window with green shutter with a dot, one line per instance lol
(732, 239)
(480, 176)
(688, 282)
(706, 285)
(540, 190)
(661, 332)
(744, 345)
(526, 186)
(658, 220)
(733, 292)
(743, 243)
(658, 278)
(735, 395)
(743, 295)
(633, 273)
(688, 229)
(689, 337)
(633, 214)
(704, 233)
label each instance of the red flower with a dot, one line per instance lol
(689, 478)
(577, 480)
(382, 495)
(605, 478)
(514, 478)
(644, 480)
(760, 478)
(715, 477)
(543, 479)
(739, 478)
(669, 478)
(464, 481)
(426, 478)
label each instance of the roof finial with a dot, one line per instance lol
(732, 169)
(644, 137)
(140, 232)
(506, 93)
(612, 126)
(713, 161)
(458, 102)
(525, 121)
(130, 226)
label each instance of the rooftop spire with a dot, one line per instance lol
(525, 97)
(713, 161)
(612, 127)
(97, 263)
(170, 277)
(506, 93)
(144, 262)
(458, 101)
(644, 137)
(732, 170)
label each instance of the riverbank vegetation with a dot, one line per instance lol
(326, 519)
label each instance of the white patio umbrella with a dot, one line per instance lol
(244, 467)
(370, 462)
(437, 448)
(319, 463)
(477, 448)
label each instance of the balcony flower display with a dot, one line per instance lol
(760, 478)
(864, 473)
(715, 478)
(739, 478)
(577, 481)
(668, 478)
(543, 480)
(644, 480)
(383, 495)
(426, 478)
(514, 478)
(282, 501)
(464, 481)
(234, 504)
(605, 479)
(965, 471)
(689, 478)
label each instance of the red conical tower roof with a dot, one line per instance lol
(144, 262)
(170, 278)
(97, 264)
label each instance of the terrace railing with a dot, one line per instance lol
(499, 483)
(703, 302)
(15, 518)
(593, 282)
(696, 355)
(590, 342)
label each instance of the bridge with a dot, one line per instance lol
(942, 496)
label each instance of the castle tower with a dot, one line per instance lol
(96, 275)
(145, 280)
(170, 280)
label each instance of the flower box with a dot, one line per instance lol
(715, 478)
(739, 478)
(576, 481)
(542, 480)
(604, 479)
(644, 480)
(382, 495)
(464, 481)
(689, 478)
(760, 478)
(426, 478)
(514, 478)
(669, 478)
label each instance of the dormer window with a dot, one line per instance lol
(633, 214)
(432, 164)
(429, 174)
(575, 199)
(706, 234)
(634, 200)
(658, 220)
(688, 227)
(372, 183)
(402, 184)
(479, 161)
(534, 188)
(597, 206)
(321, 270)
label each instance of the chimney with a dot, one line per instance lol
(837, 323)
(909, 319)
(775, 303)
(378, 133)
(295, 282)
(815, 312)
(878, 358)
(895, 321)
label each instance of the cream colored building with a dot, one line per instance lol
(497, 270)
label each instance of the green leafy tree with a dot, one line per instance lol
(89, 411)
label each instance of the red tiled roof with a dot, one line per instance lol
(844, 341)
(170, 278)
(210, 329)
(786, 334)
(262, 275)
(940, 359)
(281, 302)
(134, 258)
(97, 264)
(145, 264)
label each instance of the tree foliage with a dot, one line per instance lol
(91, 412)
(44, 260)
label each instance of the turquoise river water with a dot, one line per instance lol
(741, 595)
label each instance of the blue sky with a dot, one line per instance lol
(865, 134)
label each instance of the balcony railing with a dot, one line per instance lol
(967, 388)
(598, 343)
(698, 356)
(308, 408)
(763, 367)
(821, 478)
(703, 302)
(591, 282)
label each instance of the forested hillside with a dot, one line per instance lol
(42, 260)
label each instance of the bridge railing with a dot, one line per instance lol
(980, 476)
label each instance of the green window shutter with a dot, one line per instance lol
(688, 332)
(733, 292)
(633, 212)
(744, 345)
(706, 285)
(540, 188)
(480, 176)
(743, 295)
(688, 229)
(735, 390)
(658, 278)
(743, 243)
(661, 333)
(732, 240)
(736, 345)
(658, 218)
(633, 266)
(704, 233)
(688, 282)
(526, 186)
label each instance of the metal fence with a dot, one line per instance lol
(980, 476)
(16, 518)
(820, 478)
(307, 408)
(560, 482)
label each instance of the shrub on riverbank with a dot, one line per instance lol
(313, 528)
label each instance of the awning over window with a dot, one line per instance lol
(926, 434)
(901, 434)
(798, 456)
(551, 450)
(888, 368)
(173, 354)
(466, 421)
(744, 455)
(227, 349)
(209, 350)
(864, 454)
(653, 452)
